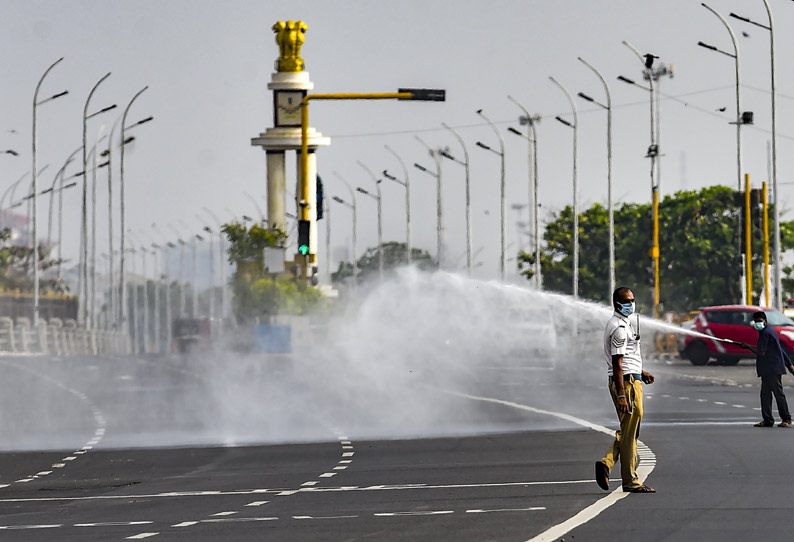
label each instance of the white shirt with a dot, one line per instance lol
(620, 339)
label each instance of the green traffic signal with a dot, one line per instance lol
(303, 249)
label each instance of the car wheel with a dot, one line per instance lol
(698, 353)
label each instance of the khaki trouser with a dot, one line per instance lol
(624, 447)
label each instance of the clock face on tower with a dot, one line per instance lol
(288, 107)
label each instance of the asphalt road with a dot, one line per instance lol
(126, 448)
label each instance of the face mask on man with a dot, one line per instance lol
(759, 325)
(626, 309)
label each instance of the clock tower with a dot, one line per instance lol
(289, 85)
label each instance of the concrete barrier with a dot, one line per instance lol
(7, 339)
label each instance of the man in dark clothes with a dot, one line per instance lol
(771, 363)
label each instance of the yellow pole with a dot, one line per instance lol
(766, 242)
(748, 267)
(655, 253)
(304, 192)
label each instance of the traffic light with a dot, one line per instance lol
(303, 237)
(425, 94)
(320, 198)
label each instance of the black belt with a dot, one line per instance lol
(628, 377)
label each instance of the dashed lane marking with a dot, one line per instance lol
(414, 513)
(185, 524)
(257, 503)
(530, 509)
(141, 536)
(24, 527)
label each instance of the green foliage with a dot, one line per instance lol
(258, 294)
(16, 270)
(394, 255)
(700, 262)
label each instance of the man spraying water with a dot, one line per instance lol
(624, 367)
(770, 364)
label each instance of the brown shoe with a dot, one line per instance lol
(765, 424)
(784, 424)
(602, 475)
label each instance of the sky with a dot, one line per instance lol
(207, 65)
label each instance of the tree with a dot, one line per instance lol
(394, 255)
(16, 270)
(257, 294)
(700, 262)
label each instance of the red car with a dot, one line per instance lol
(732, 322)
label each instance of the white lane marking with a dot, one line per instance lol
(719, 403)
(665, 395)
(44, 473)
(70, 458)
(236, 520)
(257, 503)
(58, 465)
(312, 483)
(347, 447)
(558, 531)
(4, 485)
(345, 461)
(684, 398)
(185, 524)
(530, 509)
(738, 406)
(348, 454)
(323, 517)
(346, 442)
(414, 513)
(328, 474)
(24, 480)
(113, 524)
(230, 513)
(344, 439)
(24, 527)
(142, 535)
(703, 400)
(341, 467)
(170, 494)
(757, 408)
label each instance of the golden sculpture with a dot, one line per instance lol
(290, 37)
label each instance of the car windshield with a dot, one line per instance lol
(776, 318)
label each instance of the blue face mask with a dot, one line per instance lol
(759, 325)
(626, 309)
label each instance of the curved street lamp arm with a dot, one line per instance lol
(371, 174)
(570, 101)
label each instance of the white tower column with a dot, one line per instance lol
(276, 190)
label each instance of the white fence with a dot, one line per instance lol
(59, 338)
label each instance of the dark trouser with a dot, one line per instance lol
(773, 385)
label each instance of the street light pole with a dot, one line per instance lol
(610, 209)
(534, 201)
(440, 232)
(465, 164)
(503, 223)
(35, 190)
(211, 300)
(166, 256)
(352, 205)
(122, 219)
(778, 263)
(407, 184)
(575, 127)
(379, 200)
(181, 270)
(221, 261)
(84, 209)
